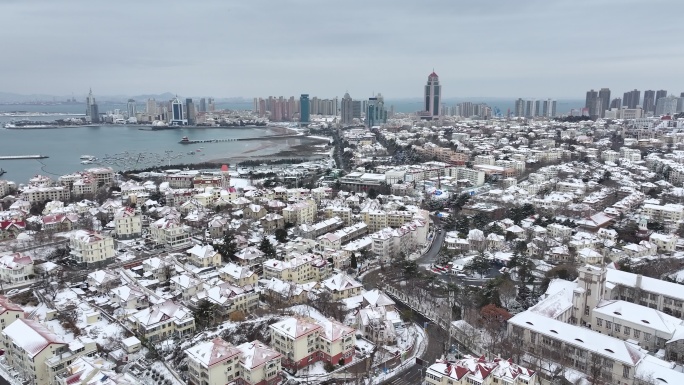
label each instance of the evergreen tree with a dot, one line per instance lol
(353, 263)
(267, 248)
(281, 235)
(228, 248)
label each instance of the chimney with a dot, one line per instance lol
(638, 281)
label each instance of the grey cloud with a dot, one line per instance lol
(265, 47)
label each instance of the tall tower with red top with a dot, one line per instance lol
(433, 95)
(225, 177)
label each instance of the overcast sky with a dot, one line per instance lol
(224, 48)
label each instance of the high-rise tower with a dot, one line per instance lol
(92, 109)
(604, 97)
(347, 111)
(304, 110)
(649, 101)
(590, 103)
(433, 95)
(131, 109)
(177, 113)
(190, 111)
(631, 99)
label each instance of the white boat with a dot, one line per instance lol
(87, 157)
(86, 162)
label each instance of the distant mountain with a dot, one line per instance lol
(8, 97)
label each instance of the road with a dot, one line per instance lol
(432, 253)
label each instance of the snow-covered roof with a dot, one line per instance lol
(31, 336)
(256, 353)
(212, 352)
(580, 337)
(295, 327)
(341, 282)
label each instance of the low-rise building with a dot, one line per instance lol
(204, 256)
(127, 223)
(38, 354)
(238, 275)
(479, 371)
(91, 248)
(9, 312)
(342, 286)
(163, 321)
(16, 268)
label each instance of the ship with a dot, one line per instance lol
(2, 172)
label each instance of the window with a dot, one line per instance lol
(626, 330)
(609, 325)
(637, 333)
(599, 322)
(617, 328)
(647, 337)
(625, 371)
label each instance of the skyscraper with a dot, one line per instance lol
(660, 94)
(211, 107)
(151, 108)
(203, 105)
(649, 101)
(590, 103)
(177, 113)
(304, 110)
(631, 99)
(433, 95)
(537, 108)
(91, 108)
(190, 111)
(667, 105)
(616, 103)
(131, 109)
(376, 113)
(519, 108)
(356, 109)
(604, 97)
(347, 110)
(529, 108)
(552, 113)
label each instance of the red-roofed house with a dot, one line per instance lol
(37, 353)
(10, 229)
(304, 341)
(16, 268)
(473, 370)
(9, 312)
(217, 362)
(59, 222)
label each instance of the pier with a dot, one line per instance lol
(19, 157)
(240, 139)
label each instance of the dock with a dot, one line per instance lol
(20, 157)
(241, 139)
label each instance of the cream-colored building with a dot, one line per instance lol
(91, 248)
(298, 268)
(300, 212)
(127, 223)
(16, 268)
(38, 354)
(170, 232)
(204, 256)
(304, 341)
(342, 286)
(9, 312)
(44, 194)
(163, 320)
(238, 275)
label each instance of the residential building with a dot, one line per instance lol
(300, 212)
(91, 248)
(44, 194)
(163, 320)
(204, 256)
(342, 286)
(260, 364)
(214, 362)
(479, 371)
(16, 268)
(304, 341)
(127, 223)
(9, 312)
(238, 275)
(169, 231)
(39, 354)
(298, 268)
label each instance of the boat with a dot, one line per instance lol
(2, 172)
(185, 140)
(87, 162)
(87, 157)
